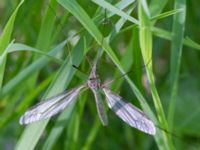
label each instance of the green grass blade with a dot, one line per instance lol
(73, 131)
(5, 39)
(176, 52)
(189, 42)
(156, 6)
(55, 133)
(45, 34)
(16, 47)
(164, 34)
(166, 14)
(34, 131)
(157, 31)
(168, 36)
(146, 48)
(47, 27)
(115, 10)
(124, 3)
(34, 67)
(19, 109)
(6, 35)
(93, 132)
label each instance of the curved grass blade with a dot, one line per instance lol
(165, 14)
(27, 101)
(32, 133)
(146, 49)
(115, 10)
(176, 55)
(5, 38)
(32, 68)
(64, 116)
(16, 47)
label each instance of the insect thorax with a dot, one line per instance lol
(94, 82)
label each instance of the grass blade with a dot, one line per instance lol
(28, 100)
(5, 39)
(166, 14)
(35, 66)
(115, 10)
(36, 129)
(55, 133)
(176, 52)
(47, 26)
(156, 6)
(16, 47)
(146, 48)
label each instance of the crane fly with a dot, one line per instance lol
(124, 110)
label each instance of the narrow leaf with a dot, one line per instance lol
(5, 39)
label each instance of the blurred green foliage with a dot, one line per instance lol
(41, 40)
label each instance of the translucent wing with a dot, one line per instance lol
(129, 113)
(100, 108)
(49, 107)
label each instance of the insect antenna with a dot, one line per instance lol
(125, 74)
(79, 69)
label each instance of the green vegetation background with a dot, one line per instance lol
(156, 40)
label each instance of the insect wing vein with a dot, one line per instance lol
(50, 107)
(129, 113)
